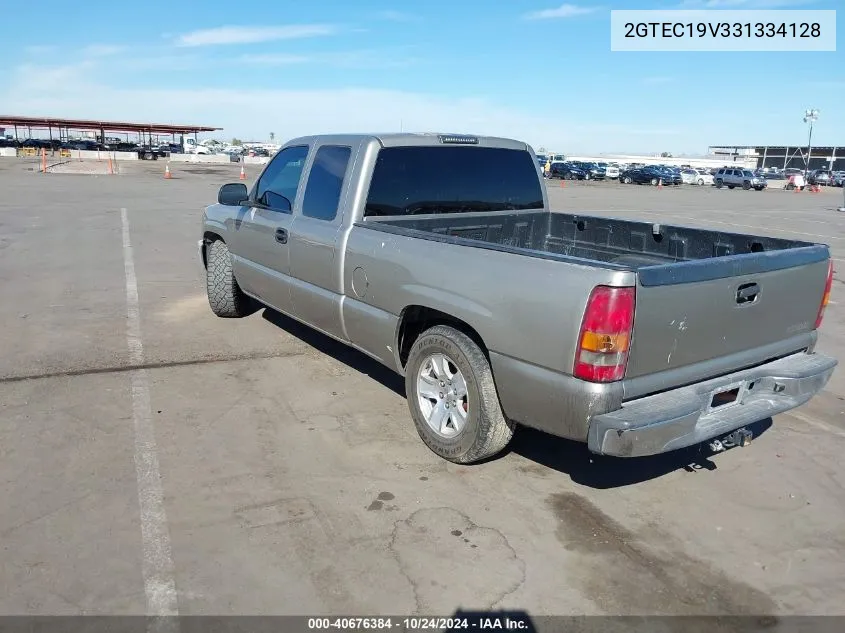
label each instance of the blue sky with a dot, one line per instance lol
(538, 70)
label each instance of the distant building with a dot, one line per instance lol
(783, 156)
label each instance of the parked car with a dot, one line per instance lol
(612, 171)
(819, 177)
(335, 232)
(689, 176)
(735, 177)
(592, 170)
(567, 171)
(703, 177)
(772, 175)
(650, 174)
(837, 178)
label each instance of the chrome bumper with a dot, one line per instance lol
(683, 417)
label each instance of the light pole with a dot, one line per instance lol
(810, 116)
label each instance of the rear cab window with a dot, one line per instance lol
(452, 179)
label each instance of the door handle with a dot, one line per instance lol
(747, 293)
(282, 236)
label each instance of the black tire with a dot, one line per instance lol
(654, 181)
(225, 296)
(731, 186)
(746, 185)
(701, 182)
(719, 183)
(487, 431)
(628, 180)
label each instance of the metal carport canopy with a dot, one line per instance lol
(108, 126)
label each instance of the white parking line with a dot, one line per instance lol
(157, 563)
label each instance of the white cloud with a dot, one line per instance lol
(291, 113)
(253, 34)
(27, 76)
(563, 11)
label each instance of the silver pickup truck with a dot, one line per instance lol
(438, 256)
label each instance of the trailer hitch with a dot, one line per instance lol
(741, 437)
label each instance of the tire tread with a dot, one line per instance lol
(225, 296)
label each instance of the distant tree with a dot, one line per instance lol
(665, 155)
(237, 141)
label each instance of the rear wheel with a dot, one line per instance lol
(627, 180)
(654, 181)
(453, 399)
(225, 296)
(701, 182)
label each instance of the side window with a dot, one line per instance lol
(278, 184)
(325, 181)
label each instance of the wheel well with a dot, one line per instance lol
(207, 238)
(417, 319)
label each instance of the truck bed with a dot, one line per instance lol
(707, 303)
(623, 243)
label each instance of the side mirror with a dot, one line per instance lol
(233, 194)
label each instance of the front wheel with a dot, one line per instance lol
(746, 185)
(453, 399)
(628, 180)
(225, 296)
(719, 183)
(701, 182)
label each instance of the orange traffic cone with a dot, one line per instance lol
(243, 173)
(660, 183)
(167, 171)
(562, 183)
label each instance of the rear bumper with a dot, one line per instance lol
(683, 417)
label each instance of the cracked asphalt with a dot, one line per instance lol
(292, 477)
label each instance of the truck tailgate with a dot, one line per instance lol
(684, 317)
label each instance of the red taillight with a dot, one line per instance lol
(826, 295)
(605, 335)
